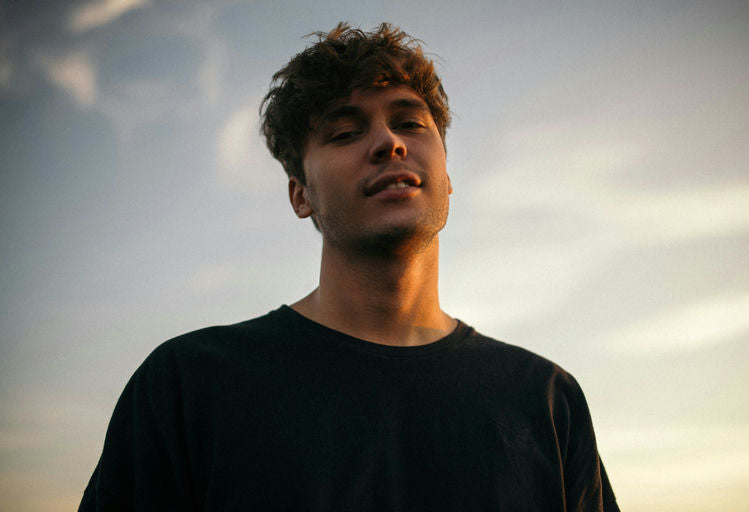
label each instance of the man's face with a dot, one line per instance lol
(375, 169)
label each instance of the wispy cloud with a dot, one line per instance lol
(210, 76)
(234, 139)
(73, 73)
(101, 12)
(682, 215)
(130, 104)
(198, 23)
(535, 281)
(680, 462)
(240, 147)
(564, 169)
(687, 327)
(551, 165)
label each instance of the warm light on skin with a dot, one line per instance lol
(374, 132)
(379, 268)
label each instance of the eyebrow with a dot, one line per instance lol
(351, 111)
(409, 103)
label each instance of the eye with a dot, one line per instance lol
(411, 125)
(343, 136)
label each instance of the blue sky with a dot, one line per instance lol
(600, 216)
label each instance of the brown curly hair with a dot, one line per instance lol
(340, 61)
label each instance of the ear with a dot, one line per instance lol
(298, 198)
(449, 185)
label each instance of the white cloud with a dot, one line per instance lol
(679, 216)
(688, 327)
(561, 168)
(552, 166)
(638, 439)
(130, 104)
(101, 12)
(74, 74)
(241, 152)
(679, 462)
(516, 283)
(198, 23)
(235, 137)
(210, 73)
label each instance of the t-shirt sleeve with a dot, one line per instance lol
(144, 463)
(587, 486)
(609, 499)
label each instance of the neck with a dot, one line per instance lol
(390, 299)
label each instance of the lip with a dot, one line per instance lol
(379, 186)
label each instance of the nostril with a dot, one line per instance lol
(389, 147)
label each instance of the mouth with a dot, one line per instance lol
(393, 181)
(397, 185)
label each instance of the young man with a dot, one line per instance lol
(364, 395)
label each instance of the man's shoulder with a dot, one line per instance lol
(222, 340)
(517, 361)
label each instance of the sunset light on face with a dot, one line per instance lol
(599, 215)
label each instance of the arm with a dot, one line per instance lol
(144, 464)
(587, 486)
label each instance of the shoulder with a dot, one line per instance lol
(202, 347)
(523, 367)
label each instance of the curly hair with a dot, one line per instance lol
(340, 61)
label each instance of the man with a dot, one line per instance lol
(364, 395)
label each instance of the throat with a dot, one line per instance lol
(386, 300)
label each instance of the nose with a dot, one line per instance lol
(386, 145)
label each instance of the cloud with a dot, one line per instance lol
(554, 165)
(198, 23)
(235, 137)
(74, 74)
(680, 216)
(560, 170)
(240, 148)
(210, 74)
(132, 103)
(680, 462)
(688, 327)
(535, 281)
(96, 14)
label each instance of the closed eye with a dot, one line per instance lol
(343, 136)
(411, 125)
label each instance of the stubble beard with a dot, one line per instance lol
(387, 241)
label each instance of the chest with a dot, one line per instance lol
(391, 436)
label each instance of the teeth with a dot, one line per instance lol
(400, 184)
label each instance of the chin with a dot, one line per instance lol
(398, 239)
(399, 234)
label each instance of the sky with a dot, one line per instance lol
(600, 218)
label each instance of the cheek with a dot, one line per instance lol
(322, 194)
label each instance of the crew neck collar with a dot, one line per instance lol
(288, 315)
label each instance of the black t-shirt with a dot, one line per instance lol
(282, 413)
